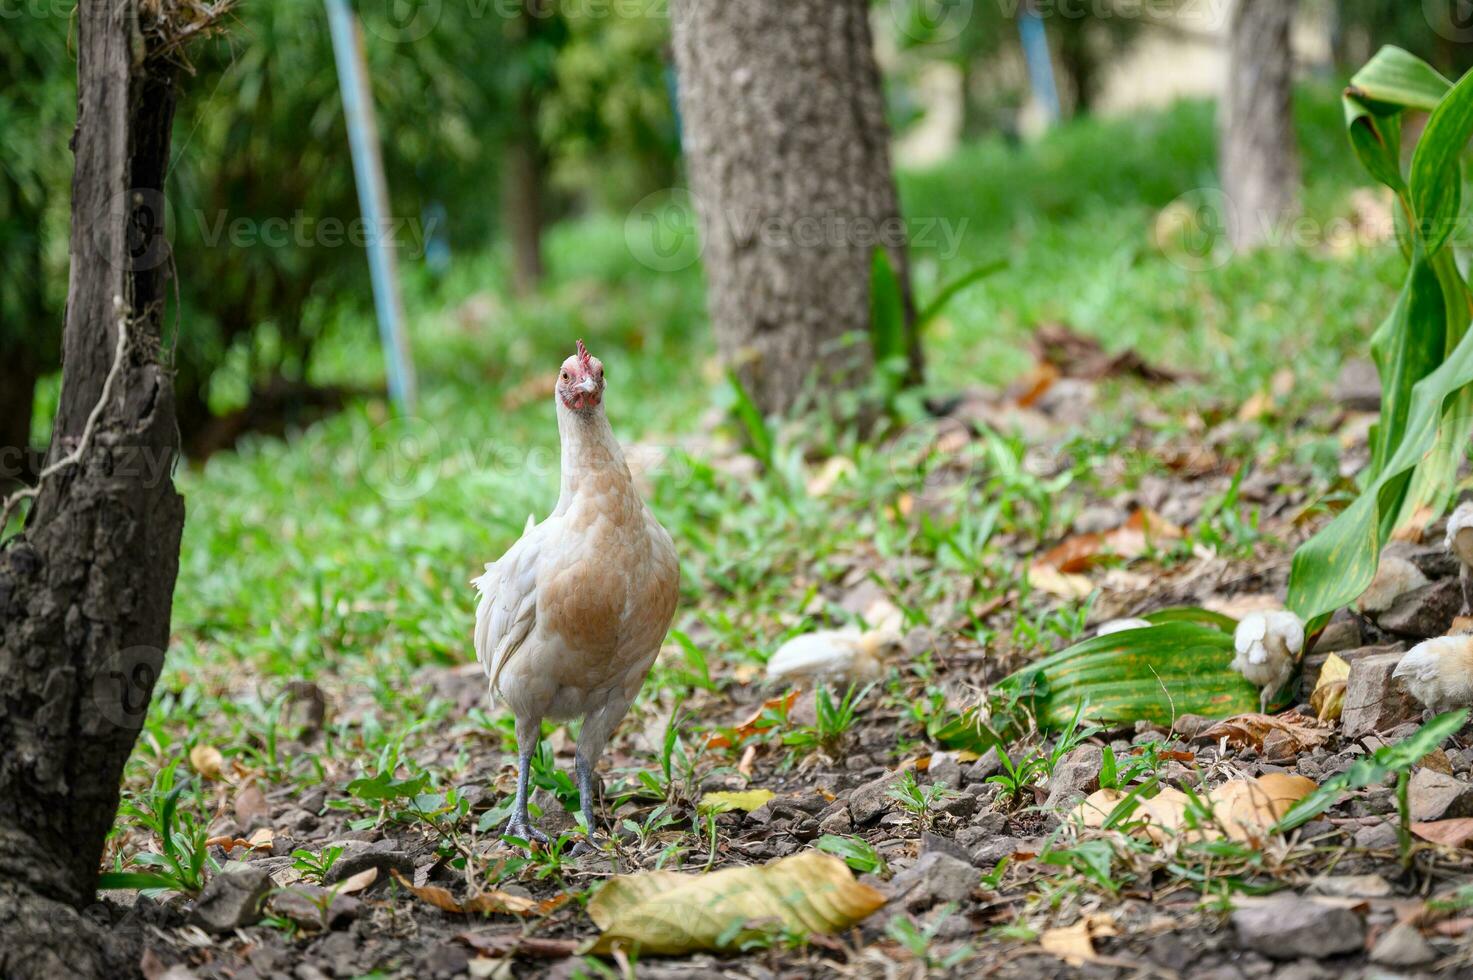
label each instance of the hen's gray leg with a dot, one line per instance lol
(597, 728)
(529, 733)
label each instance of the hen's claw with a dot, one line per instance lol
(525, 831)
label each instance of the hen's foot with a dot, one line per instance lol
(590, 844)
(523, 830)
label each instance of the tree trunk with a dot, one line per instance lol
(521, 203)
(1260, 159)
(788, 152)
(86, 590)
(17, 402)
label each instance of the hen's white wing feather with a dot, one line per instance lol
(507, 611)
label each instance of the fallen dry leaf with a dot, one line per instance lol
(724, 802)
(358, 882)
(261, 839)
(1329, 691)
(1250, 731)
(1242, 809)
(1456, 832)
(250, 805)
(1130, 540)
(485, 903)
(1075, 944)
(504, 943)
(757, 721)
(206, 760)
(666, 912)
(1046, 578)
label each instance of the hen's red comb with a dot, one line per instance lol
(583, 356)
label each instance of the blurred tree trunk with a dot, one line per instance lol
(788, 151)
(1259, 158)
(17, 401)
(86, 590)
(1078, 60)
(521, 199)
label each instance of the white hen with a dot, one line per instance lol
(572, 616)
(1439, 672)
(1268, 645)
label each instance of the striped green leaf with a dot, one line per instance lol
(1437, 172)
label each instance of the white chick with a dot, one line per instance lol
(1439, 672)
(835, 655)
(1121, 625)
(1460, 543)
(1395, 577)
(1268, 645)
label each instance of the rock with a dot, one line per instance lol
(944, 770)
(836, 819)
(988, 765)
(869, 800)
(1074, 778)
(1373, 701)
(382, 855)
(1425, 612)
(1339, 634)
(251, 811)
(1435, 796)
(1189, 726)
(444, 960)
(299, 821)
(314, 907)
(1402, 945)
(937, 877)
(231, 900)
(993, 851)
(1358, 386)
(1290, 927)
(944, 845)
(1352, 886)
(1376, 837)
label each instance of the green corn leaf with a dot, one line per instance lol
(887, 310)
(1192, 614)
(1335, 566)
(1437, 173)
(1392, 81)
(1407, 346)
(1157, 674)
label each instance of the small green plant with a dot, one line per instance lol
(918, 941)
(1091, 858)
(857, 852)
(918, 801)
(832, 721)
(316, 865)
(182, 856)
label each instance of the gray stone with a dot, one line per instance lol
(1373, 701)
(1376, 837)
(1402, 945)
(231, 900)
(836, 819)
(1352, 886)
(945, 770)
(381, 855)
(314, 907)
(1358, 386)
(988, 854)
(870, 800)
(1074, 778)
(1436, 796)
(959, 805)
(937, 877)
(1428, 611)
(944, 845)
(1290, 927)
(988, 765)
(1339, 634)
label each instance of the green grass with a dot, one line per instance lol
(343, 554)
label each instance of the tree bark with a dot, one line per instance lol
(521, 203)
(86, 590)
(788, 152)
(1260, 158)
(17, 403)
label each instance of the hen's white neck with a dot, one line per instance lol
(591, 458)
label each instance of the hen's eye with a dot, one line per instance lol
(564, 376)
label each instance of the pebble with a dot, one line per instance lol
(937, 877)
(1374, 702)
(1424, 612)
(1402, 945)
(1074, 778)
(232, 900)
(1435, 796)
(870, 800)
(1290, 927)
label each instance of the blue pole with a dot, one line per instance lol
(373, 200)
(1034, 36)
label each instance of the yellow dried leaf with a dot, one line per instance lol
(722, 802)
(1328, 698)
(261, 839)
(206, 760)
(1246, 808)
(1047, 578)
(358, 882)
(484, 903)
(1075, 944)
(1097, 806)
(665, 912)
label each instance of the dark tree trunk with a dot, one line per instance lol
(788, 151)
(17, 402)
(85, 592)
(1260, 159)
(1077, 58)
(521, 202)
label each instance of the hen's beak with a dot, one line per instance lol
(588, 386)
